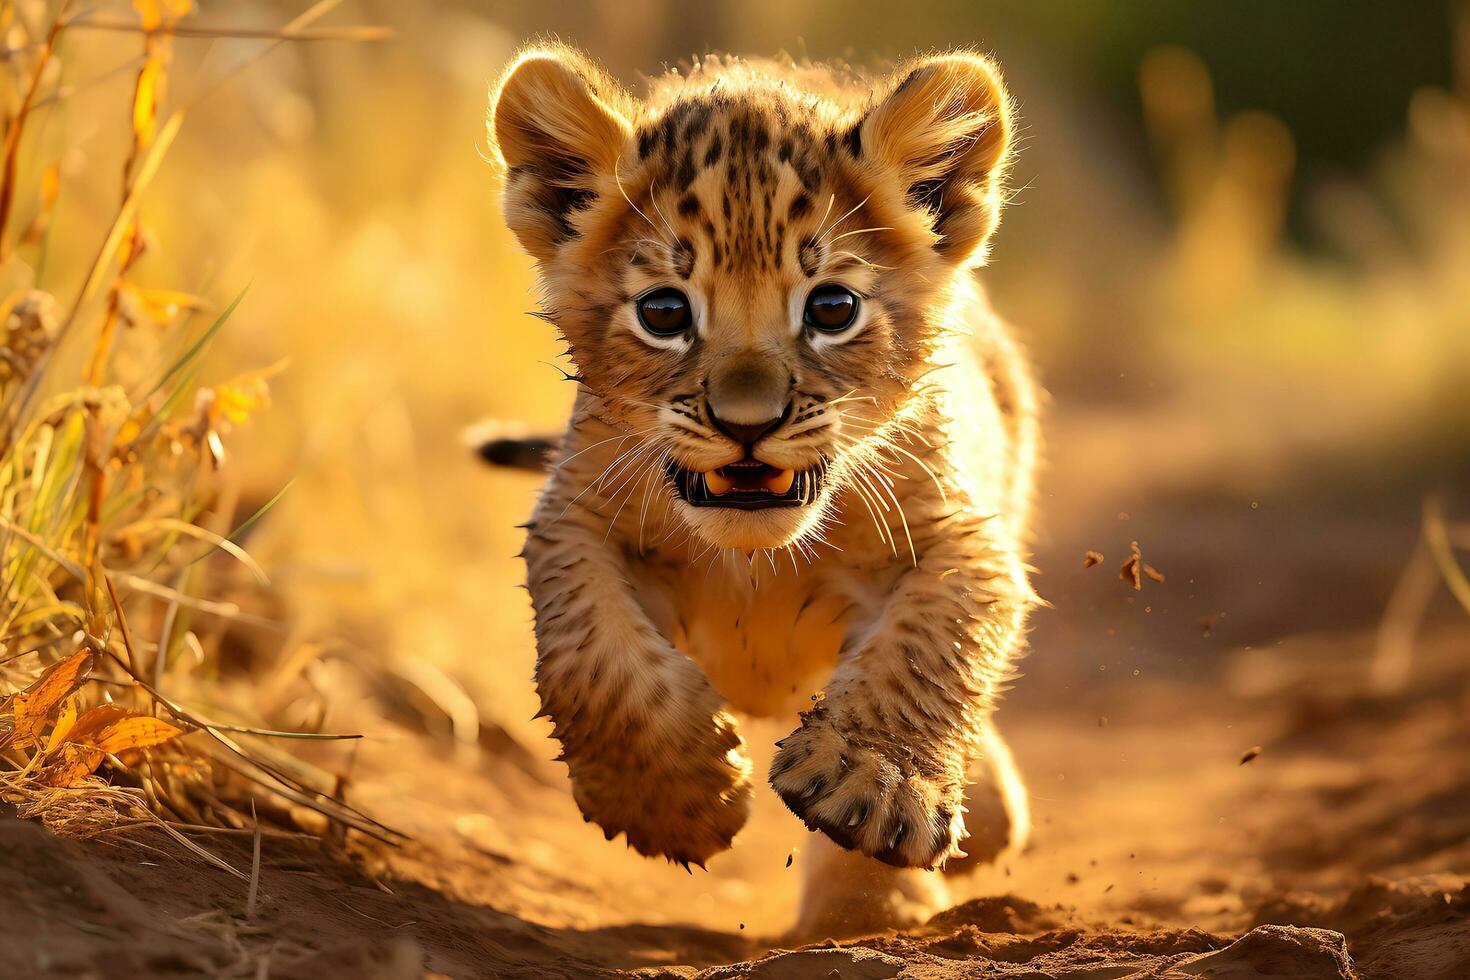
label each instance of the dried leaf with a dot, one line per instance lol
(93, 720)
(50, 185)
(150, 13)
(161, 306)
(50, 191)
(237, 401)
(64, 723)
(153, 14)
(145, 101)
(34, 705)
(134, 732)
(132, 246)
(72, 764)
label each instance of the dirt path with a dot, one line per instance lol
(1156, 850)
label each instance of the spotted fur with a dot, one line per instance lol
(891, 608)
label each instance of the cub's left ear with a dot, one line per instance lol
(944, 131)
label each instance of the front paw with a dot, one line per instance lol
(686, 807)
(870, 794)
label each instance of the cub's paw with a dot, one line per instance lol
(870, 796)
(685, 812)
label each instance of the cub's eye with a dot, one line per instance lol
(831, 308)
(665, 313)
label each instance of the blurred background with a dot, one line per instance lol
(1238, 249)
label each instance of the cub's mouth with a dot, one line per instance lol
(746, 485)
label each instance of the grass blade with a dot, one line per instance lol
(197, 347)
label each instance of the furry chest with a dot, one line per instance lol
(767, 640)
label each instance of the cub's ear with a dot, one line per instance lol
(557, 124)
(944, 130)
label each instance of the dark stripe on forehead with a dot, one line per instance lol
(808, 171)
(809, 255)
(683, 256)
(697, 118)
(686, 173)
(716, 148)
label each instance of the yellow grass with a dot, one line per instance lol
(119, 562)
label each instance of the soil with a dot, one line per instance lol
(1157, 854)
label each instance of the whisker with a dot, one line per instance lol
(859, 231)
(859, 259)
(822, 225)
(600, 442)
(657, 467)
(630, 485)
(822, 235)
(871, 505)
(943, 497)
(653, 199)
(904, 522)
(618, 179)
(594, 483)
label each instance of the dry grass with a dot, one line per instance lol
(122, 572)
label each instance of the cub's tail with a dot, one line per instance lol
(509, 445)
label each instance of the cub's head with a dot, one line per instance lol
(752, 268)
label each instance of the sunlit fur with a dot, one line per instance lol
(901, 592)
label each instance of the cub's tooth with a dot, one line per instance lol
(717, 484)
(781, 482)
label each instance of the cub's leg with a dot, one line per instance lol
(997, 811)
(651, 750)
(844, 893)
(879, 764)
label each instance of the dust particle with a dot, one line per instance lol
(789, 858)
(1250, 754)
(1092, 558)
(1130, 571)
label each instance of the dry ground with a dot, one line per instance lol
(1157, 850)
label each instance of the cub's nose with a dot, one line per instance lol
(750, 433)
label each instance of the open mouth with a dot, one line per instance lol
(746, 485)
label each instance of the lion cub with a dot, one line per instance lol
(799, 467)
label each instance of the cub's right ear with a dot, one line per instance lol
(557, 125)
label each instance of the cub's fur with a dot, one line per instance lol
(886, 594)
